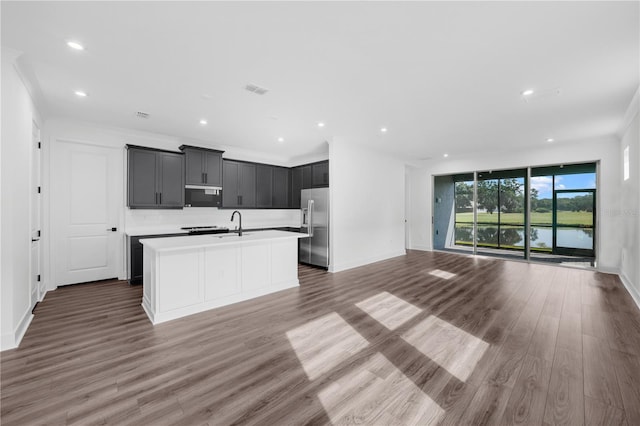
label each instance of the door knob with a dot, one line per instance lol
(112, 229)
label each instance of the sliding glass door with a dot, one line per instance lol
(501, 208)
(541, 213)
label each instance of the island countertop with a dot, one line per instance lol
(216, 240)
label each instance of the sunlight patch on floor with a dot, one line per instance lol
(452, 348)
(377, 393)
(324, 343)
(442, 274)
(389, 310)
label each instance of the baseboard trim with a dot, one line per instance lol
(421, 248)
(362, 262)
(630, 288)
(12, 341)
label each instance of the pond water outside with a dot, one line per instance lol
(541, 237)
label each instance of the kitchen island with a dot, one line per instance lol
(187, 275)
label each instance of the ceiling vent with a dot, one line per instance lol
(141, 114)
(256, 89)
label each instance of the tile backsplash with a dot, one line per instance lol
(205, 216)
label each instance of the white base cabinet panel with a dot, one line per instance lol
(186, 280)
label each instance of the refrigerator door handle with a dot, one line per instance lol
(305, 218)
(310, 208)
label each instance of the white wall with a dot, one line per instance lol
(18, 115)
(367, 200)
(608, 214)
(57, 130)
(630, 208)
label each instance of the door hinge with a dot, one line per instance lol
(38, 277)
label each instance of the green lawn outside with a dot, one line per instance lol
(564, 218)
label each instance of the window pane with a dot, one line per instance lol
(576, 181)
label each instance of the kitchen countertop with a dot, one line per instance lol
(175, 229)
(217, 240)
(155, 230)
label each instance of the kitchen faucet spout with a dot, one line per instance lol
(240, 223)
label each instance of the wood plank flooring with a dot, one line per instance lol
(426, 338)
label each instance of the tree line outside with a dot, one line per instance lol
(574, 210)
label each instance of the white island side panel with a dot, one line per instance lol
(186, 277)
(221, 272)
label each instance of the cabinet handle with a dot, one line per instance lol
(239, 200)
(156, 199)
(206, 178)
(160, 198)
(202, 177)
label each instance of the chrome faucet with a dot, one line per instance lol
(239, 215)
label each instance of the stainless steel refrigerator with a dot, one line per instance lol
(314, 250)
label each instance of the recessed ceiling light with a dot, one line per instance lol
(383, 130)
(550, 140)
(280, 139)
(203, 122)
(527, 92)
(445, 155)
(80, 93)
(75, 45)
(320, 124)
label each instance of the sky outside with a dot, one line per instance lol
(579, 181)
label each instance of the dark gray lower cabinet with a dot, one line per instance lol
(155, 178)
(136, 250)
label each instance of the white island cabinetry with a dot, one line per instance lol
(186, 275)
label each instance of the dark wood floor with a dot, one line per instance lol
(427, 338)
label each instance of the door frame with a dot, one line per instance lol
(119, 187)
(37, 289)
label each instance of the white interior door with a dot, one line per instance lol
(37, 284)
(85, 203)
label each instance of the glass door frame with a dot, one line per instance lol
(571, 251)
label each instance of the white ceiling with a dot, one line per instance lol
(441, 76)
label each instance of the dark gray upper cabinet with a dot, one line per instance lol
(142, 174)
(264, 186)
(203, 166)
(280, 188)
(320, 174)
(307, 177)
(296, 186)
(272, 187)
(230, 183)
(171, 180)
(155, 178)
(238, 184)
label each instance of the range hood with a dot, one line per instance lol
(211, 190)
(202, 196)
